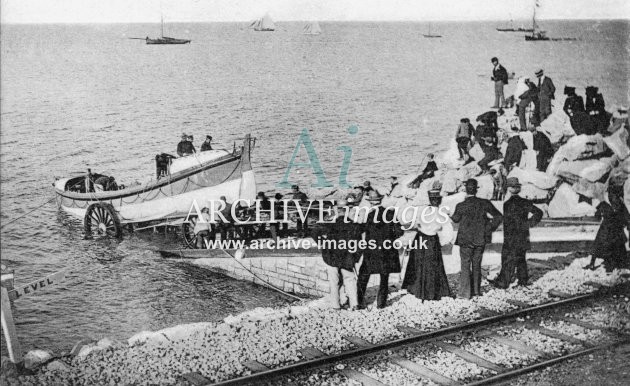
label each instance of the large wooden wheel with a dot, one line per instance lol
(101, 220)
(188, 234)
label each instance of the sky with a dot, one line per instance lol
(140, 11)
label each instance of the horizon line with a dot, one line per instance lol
(307, 20)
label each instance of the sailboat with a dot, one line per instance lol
(163, 39)
(429, 35)
(537, 33)
(263, 24)
(312, 28)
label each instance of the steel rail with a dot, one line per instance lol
(427, 336)
(501, 377)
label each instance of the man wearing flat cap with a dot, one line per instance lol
(207, 144)
(516, 224)
(546, 92)
(478, 218)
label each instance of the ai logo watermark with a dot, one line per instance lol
(322, 182)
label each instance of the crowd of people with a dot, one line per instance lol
(425, 275)
(500, 148)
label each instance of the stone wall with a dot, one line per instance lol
(299, 274)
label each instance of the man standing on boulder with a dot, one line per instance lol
(546, 91)
(479, 218)
(516, 211)
(500, 79)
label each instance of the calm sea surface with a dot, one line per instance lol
(84, 96)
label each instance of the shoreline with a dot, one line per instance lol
(274, 336)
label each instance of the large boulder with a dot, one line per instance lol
(565, 203)
(586, 188)
(618, 143)
(537, 178)
(577, 148)
(532, 192)
(476, 152)
(592, 170)
(35, 358)
(486, 186)
(57, 365)
(558, 128)
(528, 160)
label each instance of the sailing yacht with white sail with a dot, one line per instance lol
(312, 28)
(430, 35)
(263, 24)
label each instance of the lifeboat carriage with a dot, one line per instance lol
(164, 201)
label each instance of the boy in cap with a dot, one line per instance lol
(478, 218)
(516, 224)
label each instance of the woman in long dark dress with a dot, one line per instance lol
(425, 276)
(610, 241)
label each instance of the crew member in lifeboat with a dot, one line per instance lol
(105, 184)
(185, 147)
(207, 144)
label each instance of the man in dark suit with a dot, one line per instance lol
(516, 211)
(301, 226)
(546, 92)
(379, 226)
(500, 79)
(340, 256)
(478, 218)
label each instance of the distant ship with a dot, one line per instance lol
(512, 29)
(263, 24)
(163, 39)
(312, 28)
(430, 35)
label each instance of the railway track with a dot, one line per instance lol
(489, 350)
